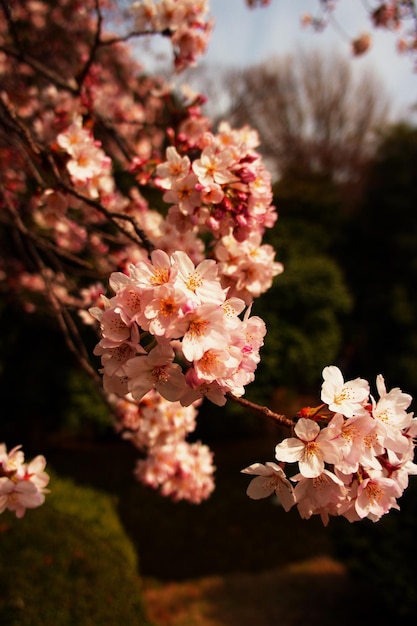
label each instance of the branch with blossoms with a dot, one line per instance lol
(82, 141)
(399, 16)
(107, 174)
(354, 454)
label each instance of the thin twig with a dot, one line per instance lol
(282, 419)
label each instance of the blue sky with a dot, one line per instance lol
(244, 36)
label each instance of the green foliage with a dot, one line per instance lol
(305, 309)
(379, 254)
(302, 313)
(46, 392)
(311, 203)
(69, 562)
(86, 411)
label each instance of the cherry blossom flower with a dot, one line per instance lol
(201, 329)
(348, 397)
(155, 273)
(173, 168)
(270, 478)
(154, 421)
(200, 283)
(376, 496)
(183, 193)
(155, 370)
(165, 309)
(310, 448)
(213, 167)
(322, 495)
(19, 496)
(391, 407)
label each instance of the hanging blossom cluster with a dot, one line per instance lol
(158, 428)
(171, 327)
(354, 453)
(22, 485)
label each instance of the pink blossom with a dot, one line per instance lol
(348, 397)
(154, 421)
(355, 441)
(217, 364)
(183, 192)
(311, 448)
(154, 273)
(22, 486)
(322, 494)
(155, 371)
(391, 407)
(202, 329)
(173, 168)
(213, 167)
(19, 496)
(181, 470)
(270, 478)
(164, 309)
(201, 283)
(376, 496)
(74, 137)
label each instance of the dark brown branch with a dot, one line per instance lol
(15, 123)
(109, 41)
(263, 410)
(66, 323)
(40, 242)
(112, 217)
(84, 72)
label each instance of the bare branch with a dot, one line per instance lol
(263, 410)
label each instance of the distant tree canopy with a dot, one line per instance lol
(311, 109)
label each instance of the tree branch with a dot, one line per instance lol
(263, 410)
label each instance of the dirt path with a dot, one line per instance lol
(310, 593)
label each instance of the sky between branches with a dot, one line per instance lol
(245, 36)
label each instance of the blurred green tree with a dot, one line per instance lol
(379, 254)
(306, 307)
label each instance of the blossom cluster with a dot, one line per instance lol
(226, 191)
(185, 22)
(171, 327)
(159, 428)
(22, 485)
(88, 166)
(354, 453)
